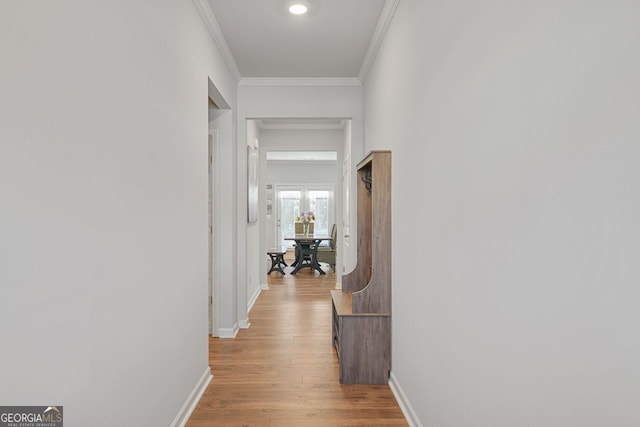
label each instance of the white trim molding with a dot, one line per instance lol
(254, 298)
(303, 123)
(209, 19)
(300, 81)
(379, 33)
(403, 402)
(192, 400)
(228, 332)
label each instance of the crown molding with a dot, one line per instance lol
(301, 126)
(203, 8)
(380, 32)
(300, 81)
(301, 162)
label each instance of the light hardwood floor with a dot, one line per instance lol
(283, 371)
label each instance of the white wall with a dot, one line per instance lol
(103, 177)
(224, 222)
(253, 253)
(347, 235)
(514, 130)
(302, 172)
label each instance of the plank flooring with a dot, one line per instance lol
(283, 371)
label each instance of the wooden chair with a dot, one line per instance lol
(327, 254)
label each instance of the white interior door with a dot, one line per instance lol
(289, 200)
(319, 200)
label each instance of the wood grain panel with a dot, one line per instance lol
(361, 322)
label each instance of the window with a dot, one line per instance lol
(293, 200)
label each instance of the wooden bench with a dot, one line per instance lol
(277, 260)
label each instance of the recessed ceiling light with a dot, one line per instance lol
(298, 9)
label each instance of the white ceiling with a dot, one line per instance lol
(333, 40)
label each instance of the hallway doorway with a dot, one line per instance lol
(219, 138)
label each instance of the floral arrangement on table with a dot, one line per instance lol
(305, 218)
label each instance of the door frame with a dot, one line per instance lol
(212, 300)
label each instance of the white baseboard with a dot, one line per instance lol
(242, 323)
(403, 402)
(253, 298)
(192, 401)
(264, 286)
(228, 332)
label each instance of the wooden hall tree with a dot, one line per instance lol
(362, 309)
